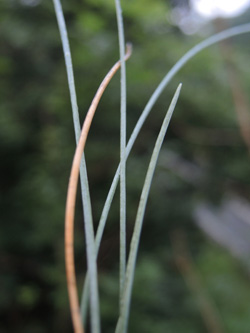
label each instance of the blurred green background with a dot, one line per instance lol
(185, 281)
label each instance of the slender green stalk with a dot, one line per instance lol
(245, 28)
(122, 149)
(103, 85)
(75, 113)
(88, 220)
(241, 29)
(123, 320)
(100, 230)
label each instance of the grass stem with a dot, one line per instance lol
(122, 148)
(134, 245)
(241, 29)
(69, 225)
(85, 293)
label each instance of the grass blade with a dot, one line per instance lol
(85, 292)
(241, 29)
(88, 219)
(69, 223)
(123, 320)
(122, 148)
(86, 201)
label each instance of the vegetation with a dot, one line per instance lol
(181, 276)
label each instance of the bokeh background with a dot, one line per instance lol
(193, 265)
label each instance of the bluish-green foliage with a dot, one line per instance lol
(37, 144)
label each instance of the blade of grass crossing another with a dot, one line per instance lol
(69, 220)
(88, 219)
(86, 201)
(85, 293)
(158, 91)
(130, 271)
(238, 30)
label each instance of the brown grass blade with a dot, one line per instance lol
(71, 198)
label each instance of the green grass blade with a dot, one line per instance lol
(122, 148)
(123, 320)
(189, 55)
(76, 120)
(89, 231)
(99, 233)
(241, 29)
(69, 66)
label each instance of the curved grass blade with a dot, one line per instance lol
(134, 245)
(188, 56)
(85, 293)
(241, 29)
(69, 223)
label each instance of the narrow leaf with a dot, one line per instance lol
(122, 147)
(241, 29)
(123, 320)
